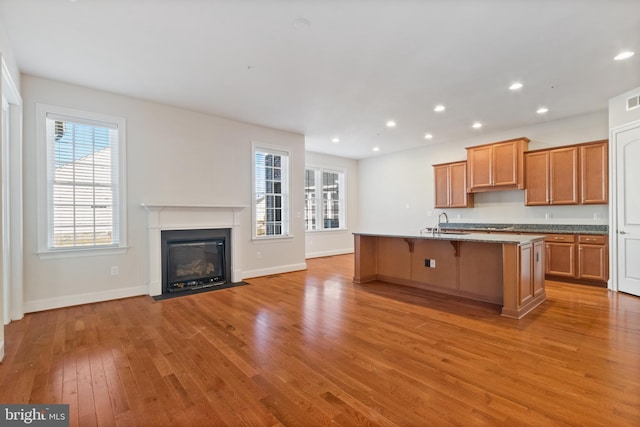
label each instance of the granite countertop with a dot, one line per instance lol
(464, 237)
(530, 228)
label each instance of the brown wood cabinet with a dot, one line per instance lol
(593, 257)
(497, 166)
(594, 172)
(551, 177)
(560, 255)
(451, 185)
(567, 175)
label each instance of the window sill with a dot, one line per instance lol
(327, 230)
(81, 252)
(267, 239)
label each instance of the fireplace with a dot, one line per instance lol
(195, 259)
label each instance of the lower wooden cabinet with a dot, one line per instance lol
(593, 258)
(560, 255)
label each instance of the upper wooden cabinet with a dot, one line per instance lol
(551, 177)
(497, 166)
(451, 185)
(567, 175)
(594, 172)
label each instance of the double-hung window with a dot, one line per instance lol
(83, 201)
(324, 199)
(271, 192)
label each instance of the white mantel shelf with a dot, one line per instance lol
(174, 216)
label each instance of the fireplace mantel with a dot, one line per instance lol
(172, 216)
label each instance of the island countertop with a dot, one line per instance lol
(518, 239)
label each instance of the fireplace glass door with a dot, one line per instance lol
(195, 264)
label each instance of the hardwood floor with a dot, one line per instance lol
(311, 348)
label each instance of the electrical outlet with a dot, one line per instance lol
(114, 270)
(427, 263)
(258, 254)
(433, 263)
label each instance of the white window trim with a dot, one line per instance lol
(257, 146)
(343, 225)
(41, 158)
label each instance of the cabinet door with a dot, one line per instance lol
(505, 164)
(525, 288)
(592, 262)
(560, 259)
(594, 171)
(441, 176)
(537, 178)
(479, 164)
(458, 196)
(563, 176)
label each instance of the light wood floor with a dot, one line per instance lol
(311, 348)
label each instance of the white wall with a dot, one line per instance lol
(174, 156)
(325, 243)
(397, 190)
(7, 55)
(618, 114)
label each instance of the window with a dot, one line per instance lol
(271, 192)
(84, 183)
(324, 199)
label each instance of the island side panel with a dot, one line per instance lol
(481, 271)
(523, 286)
(511, 280)
(365, 268)
(394, 259)
(445, 273)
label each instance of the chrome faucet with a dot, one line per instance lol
(446, 219)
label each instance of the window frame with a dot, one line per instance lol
(319, 172)
(286, 192)
(44, 250)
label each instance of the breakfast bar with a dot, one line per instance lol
(503, 269)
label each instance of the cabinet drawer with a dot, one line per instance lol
(566, 238)
(592, 239)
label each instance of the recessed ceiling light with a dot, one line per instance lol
(542, 110)
(376, 148)
(623, 55)
(428, 136)
(439, 108)
(335, 140)
(515, 86)
(476, 125)
(391, 124)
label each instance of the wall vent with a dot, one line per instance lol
(633, 102)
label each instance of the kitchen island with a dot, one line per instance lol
(503, 269)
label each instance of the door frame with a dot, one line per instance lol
(613, 201)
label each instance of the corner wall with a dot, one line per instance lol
(397, 190)
(174, 156)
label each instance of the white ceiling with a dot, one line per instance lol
(358, 63)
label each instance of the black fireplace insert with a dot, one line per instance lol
(195, 259)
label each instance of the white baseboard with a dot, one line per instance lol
(329, 253)
(1, 350)
(69, 300)
(274, 270)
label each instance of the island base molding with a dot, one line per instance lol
(507, 274)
